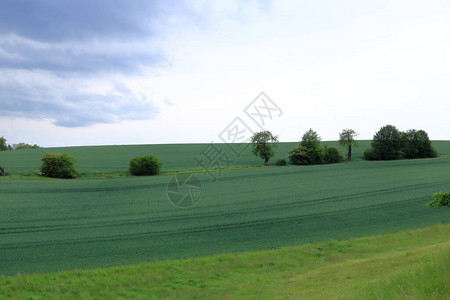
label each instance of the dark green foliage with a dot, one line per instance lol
(3, 145)
(389, 143)
(145, 165)
(369, 154)
(440, 199)
(332, 155)
(416, 144)
(281, 162)
(263, 144)
(59, 165)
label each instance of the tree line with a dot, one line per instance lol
(5, 147)
(387, 144)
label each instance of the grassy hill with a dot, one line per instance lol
(405, 265)
(107, 159)
(50, 225)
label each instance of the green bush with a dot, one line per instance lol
(299, 156)
(145, 165)
(440, 199)
(332, 155)
(281, 162)
(369, 154)
(310, 151)
(59, 165)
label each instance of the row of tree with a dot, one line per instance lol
(387, 144)
(310, 150)
(4, 146)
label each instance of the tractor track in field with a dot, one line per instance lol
(201, 216)
(201, 229)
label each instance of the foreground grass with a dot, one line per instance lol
(410, 264)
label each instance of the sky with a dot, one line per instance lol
(111, 72)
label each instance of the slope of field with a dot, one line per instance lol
(105, 159)
(49, 225)
(405, 265)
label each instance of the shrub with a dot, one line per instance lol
(299, 156)
(281, 162)
(440, 199)
(59, 165)
(369, 154)
(145, 165)
(332, 155)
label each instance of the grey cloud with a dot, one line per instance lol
(56, 20)
(69, 108)
(96, 57)
(60, 41)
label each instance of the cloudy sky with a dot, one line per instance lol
(92, 72)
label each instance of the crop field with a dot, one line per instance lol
(104, 159)
(50, 225)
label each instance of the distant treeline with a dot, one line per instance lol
(4, 146)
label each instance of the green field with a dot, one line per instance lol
(50, 225)
(406, 265)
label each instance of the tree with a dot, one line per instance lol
(310, 150)
(440, 199)
(416, 144)
(59, 165)
(264, 143)
(387, 143)
(312, 142)
(3, 145)
(347, 139)
(145, 165)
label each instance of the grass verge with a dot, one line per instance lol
(409, 264)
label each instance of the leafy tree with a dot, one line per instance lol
(59, 165)
(387, 143)
(312, 142)
(3, 145)
(264, 143)
(347, 139)
(440, 199)
(145, 165)
(310, 150)
(416, 144)
(332, 155)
